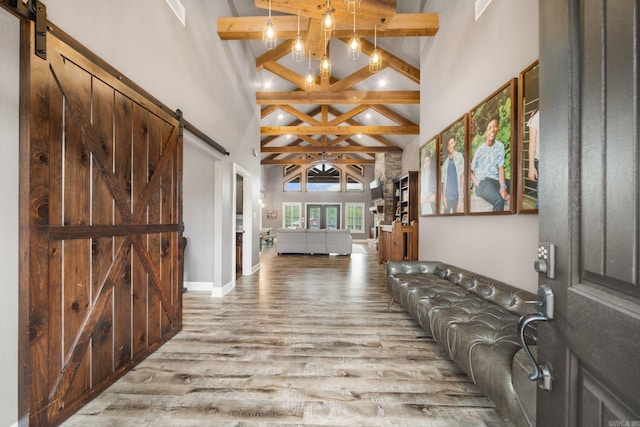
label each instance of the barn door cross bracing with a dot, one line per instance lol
(104, 206)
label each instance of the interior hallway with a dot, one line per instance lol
(306, 341)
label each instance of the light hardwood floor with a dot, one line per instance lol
(308, 340)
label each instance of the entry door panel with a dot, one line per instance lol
(104, 208)
(590, 208)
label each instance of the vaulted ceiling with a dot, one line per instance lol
(352, 115)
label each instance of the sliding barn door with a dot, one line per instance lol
(101, 208)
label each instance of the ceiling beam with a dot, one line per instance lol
(395, 63)
(353, 122)
(300, 115)
(250, 27)
(285, 73)
(351, 80)
(346, 97)
(265, 111)
(340, 130)
(299, 161)
(332, 150)
(273, 55)
(369, 13)
(347, 115)
(392, 115)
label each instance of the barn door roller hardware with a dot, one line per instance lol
(35, 11)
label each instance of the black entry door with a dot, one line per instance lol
(589, 207)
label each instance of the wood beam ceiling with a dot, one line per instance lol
(325, 128)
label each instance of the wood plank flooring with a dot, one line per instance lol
(306, 341)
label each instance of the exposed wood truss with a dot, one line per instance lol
(321, 124)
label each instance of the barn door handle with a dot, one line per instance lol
(540, 373)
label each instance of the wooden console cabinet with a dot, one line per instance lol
(398, 242)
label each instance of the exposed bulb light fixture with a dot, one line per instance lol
(269, 35)
(297, 47)
(309, 79)
(375, 60)
(352, 5)
(325, 67)
(328, 21)
(354, 46)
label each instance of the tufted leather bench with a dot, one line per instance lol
(474, 319)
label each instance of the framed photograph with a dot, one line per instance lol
(453, 167)
(429, 177)
(528, 143)
(272, 214)
(492, 153)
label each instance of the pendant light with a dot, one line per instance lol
(325, 67)
(309, 79)
(297, 47)
(352, 5)
(325, 64)
(269, 36)
(375, 60)
(354, 46)
(328, 21)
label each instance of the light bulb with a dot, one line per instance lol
(270, 31)
(375, 58)
(354, 43)
(309, 78)
(328, 21)
(298, 45)
(325, 63)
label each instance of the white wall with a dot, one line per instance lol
(198, 200)
(9, 70)
(462, 65)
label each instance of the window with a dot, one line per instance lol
(293, 184)
(323, 177)
(291, 215)
(354, 213)
(354, 184)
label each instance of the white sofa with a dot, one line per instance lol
(302, 241)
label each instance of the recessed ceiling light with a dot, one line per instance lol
(368, 115)
(267, 84)
(280, 116)
(382, 82)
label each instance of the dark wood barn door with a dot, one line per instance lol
(101, 205)
(590, 208)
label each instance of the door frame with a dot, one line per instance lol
(247, 219)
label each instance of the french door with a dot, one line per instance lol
(320, 216)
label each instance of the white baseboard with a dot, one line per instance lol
(198, 286)
(255, 268)
(220, 292)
